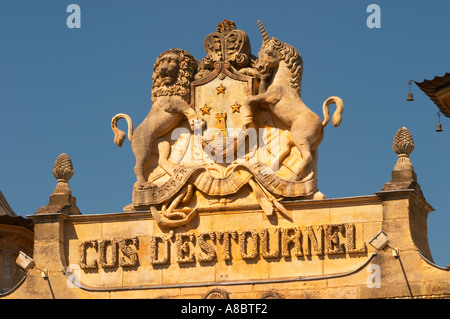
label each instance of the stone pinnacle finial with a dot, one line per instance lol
(61, 201)
(403, 145)
(63, 168)
(63, 171)
(403, 175)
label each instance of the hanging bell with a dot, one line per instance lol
(439, 126)
(410, 97)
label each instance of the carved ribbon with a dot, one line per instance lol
(213, 186)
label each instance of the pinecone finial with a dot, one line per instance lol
(63, 171)
(63, 168)
(403, 145)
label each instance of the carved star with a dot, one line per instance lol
(235, 107)
(221, 89)
(205, 110)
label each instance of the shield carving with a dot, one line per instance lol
(219, 99)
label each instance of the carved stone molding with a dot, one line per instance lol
(235, 122)
(227, 44)
(272, 295)
(217, 294)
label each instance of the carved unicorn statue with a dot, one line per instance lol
(283, 98)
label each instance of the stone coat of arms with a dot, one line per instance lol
(230, 130)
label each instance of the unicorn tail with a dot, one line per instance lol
(337, 116)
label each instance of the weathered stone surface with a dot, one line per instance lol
(228, 249)
(203, 226)
(61, 201)
(403, 175)
(223, 130)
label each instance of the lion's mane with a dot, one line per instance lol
(187, 68)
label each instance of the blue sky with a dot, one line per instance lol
(60, 87)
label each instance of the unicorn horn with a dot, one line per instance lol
(263, 32)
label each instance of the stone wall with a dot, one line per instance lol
(332, 248)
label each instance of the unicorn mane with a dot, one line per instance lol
(293, 60)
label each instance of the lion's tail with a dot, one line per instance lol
(119, 136)
(337, 116)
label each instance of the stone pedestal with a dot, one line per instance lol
(60, 203)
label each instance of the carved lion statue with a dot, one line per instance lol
(174, 71)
